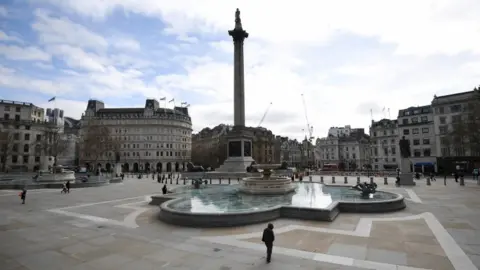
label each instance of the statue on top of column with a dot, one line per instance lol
(238, 21)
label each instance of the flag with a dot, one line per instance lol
(171, 100)
(52, 99)
(184, 103)
(163, 98)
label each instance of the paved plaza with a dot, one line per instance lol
(113, 227)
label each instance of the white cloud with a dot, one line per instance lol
(5, 37)
(52, 30)
(13, 80)
(3, 11)
(126, 44)
(23, 53)
(345, 56)
(44, 66)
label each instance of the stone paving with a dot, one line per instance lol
(113, 227)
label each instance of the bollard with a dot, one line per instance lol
(429, 183)
(310, 178)
(358, 179)
(210, 181)
(177, 181)
(385, 180)
(445, 180)
(229, 180)
(333, 179)
(171, 181)
(184, 181)
(371, 180)
(462, 181)
(345, 180)
(220, 181)
(321, 179)
(238, 180)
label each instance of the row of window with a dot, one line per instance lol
(347, 156)
(414, 120)
(155, 130)
(15, 159)
(385, 133)
(148, 145)
(425, 130)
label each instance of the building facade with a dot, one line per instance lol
(449, 110)
(384, 144)
(349, 153)
(339, 131)
(291, 152)
(23, 129)
(151, 139)
(417, 126)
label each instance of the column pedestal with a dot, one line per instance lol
(406, 177)
(239, 148)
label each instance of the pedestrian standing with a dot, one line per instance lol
(268, 238)
(23, 195)
(67, 185)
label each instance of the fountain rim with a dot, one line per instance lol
(175, 199)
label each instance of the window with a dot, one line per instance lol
(405, 121)
(374, 134)
(415, 131)
(27, 137)
(17, 109)
(39, 137)
(417, 153)
(25, 159)
(443, 120)
(353, 156)
(14, 159)
(375, 150)
(16, 136)
(26, 148)
(393, 132)
(455, 108)
(384, 133)
(393, 141)
(426, 152)
(414, 119)
(17, 117)
(406, 132)
(6, 116)
(425, 130)
(7, 108)
(27, 127)
(456, 118)
(394, 159)
(426, 141)
(37, 159)
(416, 142)
(385, 151)
(443, 129)
(393, 150)
(424, 118)
(15, 148)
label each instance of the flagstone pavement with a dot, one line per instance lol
(113, 227)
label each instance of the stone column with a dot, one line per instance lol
(238, 35)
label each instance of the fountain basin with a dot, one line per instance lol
(259, 185)
(223, 206)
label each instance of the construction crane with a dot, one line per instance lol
(265, 114)
(309, 128)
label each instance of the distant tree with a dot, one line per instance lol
(95, 141)
(52, 143)
(6, 147)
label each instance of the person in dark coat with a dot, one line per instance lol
(268, 238)
(23, 195)
(67, 185)
(164, 189)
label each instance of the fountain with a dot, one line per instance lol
(268, 183)
(59, 174)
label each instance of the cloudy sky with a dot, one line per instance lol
(345, 56)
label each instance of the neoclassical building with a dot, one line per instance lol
(153, 139)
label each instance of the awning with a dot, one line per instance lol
(424, 164)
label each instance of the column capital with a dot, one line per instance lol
(238, 35)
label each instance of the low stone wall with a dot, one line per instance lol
(58, 185)
(329, 213)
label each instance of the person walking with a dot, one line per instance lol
(268, 238)
(23, 195)
(67, 185)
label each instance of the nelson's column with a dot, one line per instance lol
(239, 139)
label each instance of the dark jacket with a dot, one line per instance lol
(268, 235)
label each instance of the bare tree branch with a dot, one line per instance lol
(6, 147)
